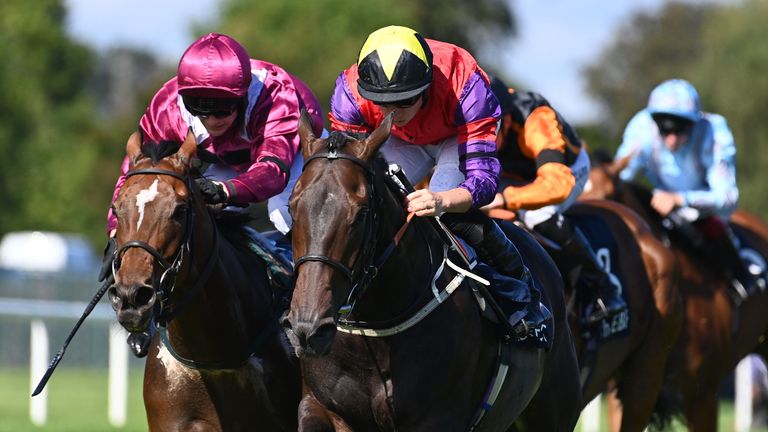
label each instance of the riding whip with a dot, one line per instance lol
(57, 358)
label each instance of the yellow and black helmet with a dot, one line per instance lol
(395, 64)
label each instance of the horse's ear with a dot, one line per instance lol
(377, 138)
(188, 148)
(133, 148)
(618, 165)
(306, 135)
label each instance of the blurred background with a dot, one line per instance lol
(76, 75)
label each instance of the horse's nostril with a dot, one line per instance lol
(114, 299)
(143, 296)
(285, 322)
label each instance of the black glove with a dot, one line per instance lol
(213, 192)
(106, 262)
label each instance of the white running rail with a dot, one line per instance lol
(38, 311)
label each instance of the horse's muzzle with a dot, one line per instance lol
(310, 339)
(133, 305)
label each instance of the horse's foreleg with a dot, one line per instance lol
(701, 414)
(314, 417)
(615, 409)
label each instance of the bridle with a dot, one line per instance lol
(362, 272)
(166, 284)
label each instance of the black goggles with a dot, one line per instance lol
(405, 103)
(207, 107)
(669, 124)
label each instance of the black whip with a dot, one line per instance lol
(57, 358)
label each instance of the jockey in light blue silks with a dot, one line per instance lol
(688, 156)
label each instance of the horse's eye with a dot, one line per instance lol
(362, 215)
(115, 210)
(180, 213)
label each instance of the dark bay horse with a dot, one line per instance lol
(630, 360)
(709, 345)
(218, 360)
(397, 352)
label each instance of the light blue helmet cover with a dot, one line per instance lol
(676, 97)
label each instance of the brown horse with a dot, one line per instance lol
(710, 345)
(630, 357)
(218, 360)
(405, 354)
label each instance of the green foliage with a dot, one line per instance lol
(645, 52)
(734, 83)
(44, 119)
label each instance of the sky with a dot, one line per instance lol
(556, 38)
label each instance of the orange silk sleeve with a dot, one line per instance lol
(554, 182)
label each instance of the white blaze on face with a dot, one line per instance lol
(144, 197)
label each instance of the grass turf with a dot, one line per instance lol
(77, 401)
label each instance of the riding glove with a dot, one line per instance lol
(106, 262)
(214, 192)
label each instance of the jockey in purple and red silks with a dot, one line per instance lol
(244, 115)
(444, 117)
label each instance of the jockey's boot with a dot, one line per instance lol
(718, 247)
(721, 250)
(536, 315)
(607, 300)
(139, 343)
(496, 250)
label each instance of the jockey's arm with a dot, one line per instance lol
(427, 203)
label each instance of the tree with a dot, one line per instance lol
(44, 114)
(648, 50)
(733, 82)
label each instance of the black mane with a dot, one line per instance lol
(158, 150)
(337, 139)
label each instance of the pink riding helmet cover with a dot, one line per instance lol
(214, 66)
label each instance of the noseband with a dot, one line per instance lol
(165, 286)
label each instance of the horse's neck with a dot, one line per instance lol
(230, 300)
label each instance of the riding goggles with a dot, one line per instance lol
(405, 103)
(670, 124)
(207, 107)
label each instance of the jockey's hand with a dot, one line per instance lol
(664, 201)
(424, 202)
(214, 192)
(106, 262)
